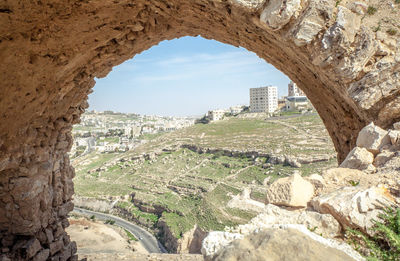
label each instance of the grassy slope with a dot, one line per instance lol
(204, 182)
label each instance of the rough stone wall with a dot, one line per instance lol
(51, 50)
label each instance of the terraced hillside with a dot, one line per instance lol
(187, 177)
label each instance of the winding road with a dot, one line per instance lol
(149, 242)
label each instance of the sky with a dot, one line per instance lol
(184, 77)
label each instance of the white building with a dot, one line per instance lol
(297, 103)
(293, 90)
(264, 99)
(216, 115)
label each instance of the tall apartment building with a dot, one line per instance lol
(264, 99)
(293, 90)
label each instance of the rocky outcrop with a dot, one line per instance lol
(323, 224)
(291, 242)
(244, 202)
(355, 207)
(191, 241)
(293, 191)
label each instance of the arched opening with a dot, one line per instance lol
(52, 52)
(174, 182)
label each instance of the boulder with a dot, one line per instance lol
(358, 158)
(293, 191)
(373, 138)
(354, 207)
(396, 125)
(285, 243)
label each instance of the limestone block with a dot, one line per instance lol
(354, 206)
(56, 246)
(359, 8)
(292, 191)
(42, 255)
(278, 13)
(32, 247)
(358, 158)
(383, 157)
(396, 125)
(394, 136)
(372, 138)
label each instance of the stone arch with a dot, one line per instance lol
(52, 50)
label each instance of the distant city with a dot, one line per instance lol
(111, 131)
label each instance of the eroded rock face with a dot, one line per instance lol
(51, 51)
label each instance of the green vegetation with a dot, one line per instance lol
(371, 10)
(385, 243)
(130, 236)
(397, 1)
(93, 217)
(354, 183)
(392, 31)
(337, 3)
(109, 221)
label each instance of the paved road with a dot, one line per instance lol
(148, 241)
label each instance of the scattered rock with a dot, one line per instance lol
(277, 13)
(354, 207)
(372, 138)
(358, 158)
(292, 191)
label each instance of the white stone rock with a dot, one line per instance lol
(358, 158)
(394, 136)
(278, 13)
(252, 4)
(216, 240)
(396, 125)
(293, 191)
(354, 206)
(373, 138)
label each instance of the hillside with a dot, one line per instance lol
(187, 177)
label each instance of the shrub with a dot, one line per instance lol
(371, 10)
(392, 31)
(385, 243)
